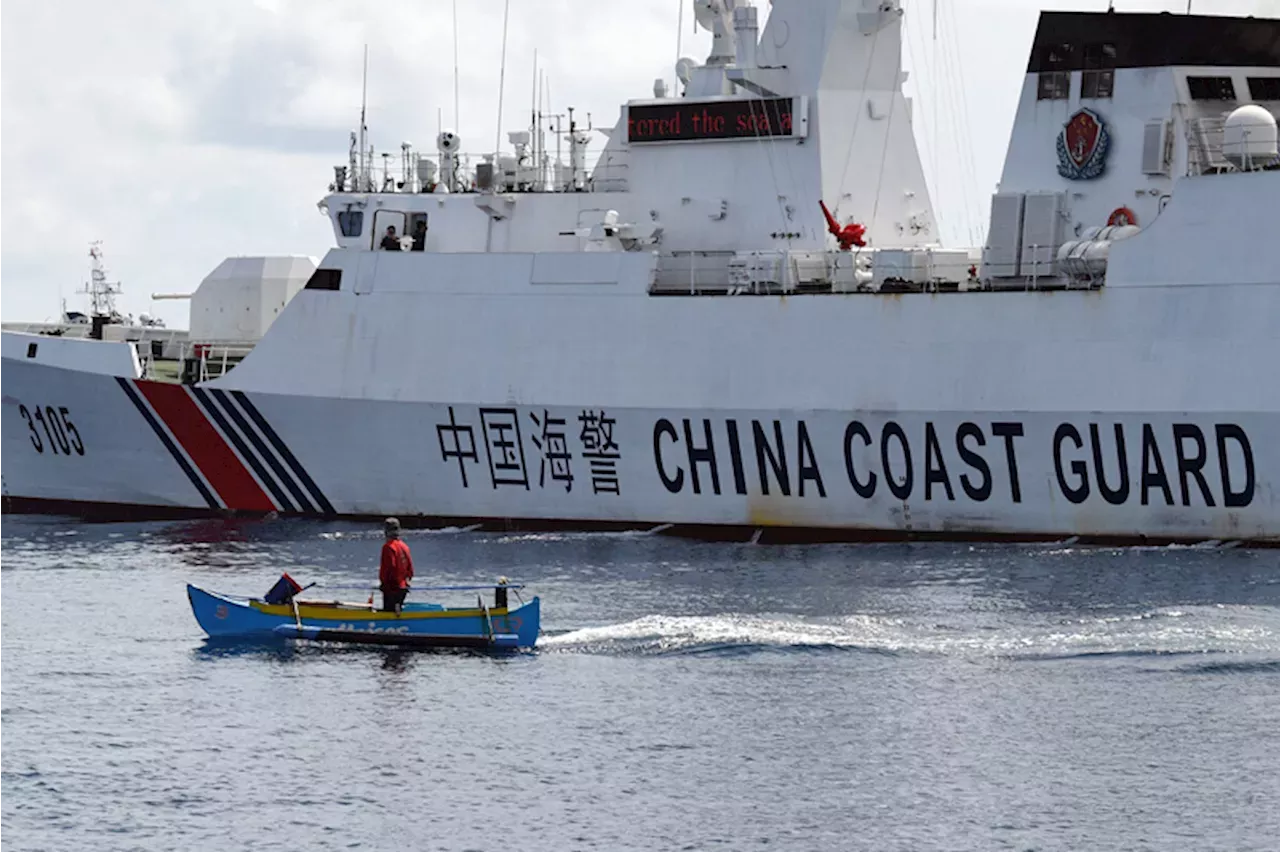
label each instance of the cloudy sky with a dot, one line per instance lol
(181, 132)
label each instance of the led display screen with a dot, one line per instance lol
(681, 121)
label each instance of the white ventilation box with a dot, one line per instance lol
(1043, 222)
(1157, 147)
(753, 268)
(907, 265)
(920, 266)
(809, 267)
(1003, 255)
(949, 265)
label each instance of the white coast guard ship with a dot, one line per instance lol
(682, 337)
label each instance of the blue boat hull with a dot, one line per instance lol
(222, 616)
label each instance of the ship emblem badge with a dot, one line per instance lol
(1082, 146)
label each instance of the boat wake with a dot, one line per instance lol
(337, 535)
(574, 535)
(496, 537)
(658, 634)
(1167, 632)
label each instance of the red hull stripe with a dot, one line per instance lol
(210, 452)
(177, 454)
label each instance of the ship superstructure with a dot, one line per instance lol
(740, 319)
(101, 320)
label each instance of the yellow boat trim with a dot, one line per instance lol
(343, 611)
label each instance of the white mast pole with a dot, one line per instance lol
(364, 100)
(679, 41)
(457, 126)
(502, 81)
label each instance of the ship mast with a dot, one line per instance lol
(101, 293)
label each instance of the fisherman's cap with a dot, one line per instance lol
(391, 525)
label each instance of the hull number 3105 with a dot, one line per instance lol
(51, 428)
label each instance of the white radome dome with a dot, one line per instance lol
(1249, 138)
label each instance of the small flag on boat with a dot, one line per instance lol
(283, 591)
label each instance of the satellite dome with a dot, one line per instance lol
(1249, 138)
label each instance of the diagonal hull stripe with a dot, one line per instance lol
(211, 454)
(168, 444)
(282, 475)
(284, 452)
(259, 469)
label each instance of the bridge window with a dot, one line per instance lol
(1211, 88)
(381, 220)
(1055, 79)
(416, 220)
(1054, 86)
(1099, 77)
(325, 279)
(350, 222)
(1264, 88)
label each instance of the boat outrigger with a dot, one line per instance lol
(281, 614)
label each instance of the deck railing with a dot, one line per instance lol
(1206, 143)
(1204, 146)
(602, 171)
(194, 362)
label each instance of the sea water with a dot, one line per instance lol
(682, 696)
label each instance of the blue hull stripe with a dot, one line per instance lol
(282, 474)
(277, 493)
(283, 450)
(168, 443)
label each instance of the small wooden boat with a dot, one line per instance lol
(418, 625)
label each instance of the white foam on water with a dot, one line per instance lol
(375, 532)
(1161, 631)
(404, 533)
(548, 537)
(669, 633)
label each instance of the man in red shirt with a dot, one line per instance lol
(397, 568)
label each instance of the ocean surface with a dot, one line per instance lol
(684, 696)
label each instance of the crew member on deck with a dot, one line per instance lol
(397, 568)
(419, 236)
(391, 242)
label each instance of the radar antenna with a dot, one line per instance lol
(716, 16)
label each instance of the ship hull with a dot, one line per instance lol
(104, 446)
